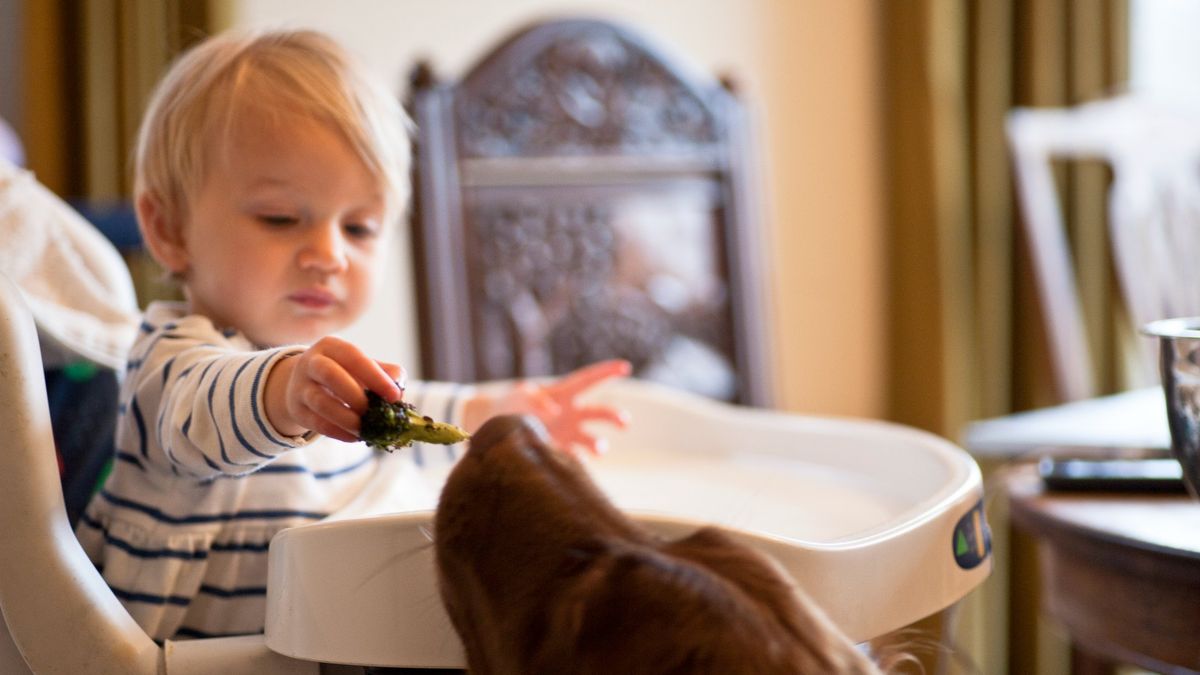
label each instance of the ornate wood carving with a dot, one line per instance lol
(576, 199)
(582, 92)
(552, 296)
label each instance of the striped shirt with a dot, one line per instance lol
(202, 480)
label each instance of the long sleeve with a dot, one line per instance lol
(193, 402)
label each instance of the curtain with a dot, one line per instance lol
(966, 337)
(88, 67)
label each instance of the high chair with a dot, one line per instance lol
(59, 615)
(881, 524)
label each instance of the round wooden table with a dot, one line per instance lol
(1120, 572)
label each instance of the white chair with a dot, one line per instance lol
(1154, 217)
(1154, 230)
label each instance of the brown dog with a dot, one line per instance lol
(541, 574)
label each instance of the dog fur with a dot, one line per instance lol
(541, 574)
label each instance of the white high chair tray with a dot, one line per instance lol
(880, 524)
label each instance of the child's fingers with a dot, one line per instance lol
(534, 400)
(395, 371)
(603, 413)
(593, 445)
(368, 372)
(326, 415)
(332, 376)
(586, 377)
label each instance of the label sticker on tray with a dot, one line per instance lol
(972, 540)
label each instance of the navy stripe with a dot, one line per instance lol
(212, 414)
(451, 453)
(208, 518)
(141, 427)
(233, 592)
(132, 459)
(211, 464)
(294, 468)
(162, 436)
(418, 455)
(141, 552)
(146, 327)
(167, 369)
(150, 598)
(215, 547)
(239, 548)
(254, 406)
(196, 633)
(233, 420)
(90, 522)
(450, 402)
(153, 553)
(370, 457)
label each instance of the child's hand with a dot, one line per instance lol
(555, 405)
(322, 389)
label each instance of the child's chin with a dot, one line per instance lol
(305, 334)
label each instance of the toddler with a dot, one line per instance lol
(269, 171)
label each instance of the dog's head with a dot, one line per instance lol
(540, 573)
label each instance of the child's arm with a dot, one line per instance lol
(322, 389)
(555, 404)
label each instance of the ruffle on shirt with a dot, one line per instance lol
(183, 584)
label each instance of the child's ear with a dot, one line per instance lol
(163, 233)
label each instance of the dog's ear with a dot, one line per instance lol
(629, 610)
(820, 645)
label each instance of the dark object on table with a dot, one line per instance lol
(1112, 475)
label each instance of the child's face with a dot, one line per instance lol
(284, 238)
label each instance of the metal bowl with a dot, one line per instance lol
(1179, 362)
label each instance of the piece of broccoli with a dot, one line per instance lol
(388, 426)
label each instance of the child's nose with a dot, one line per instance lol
(325, 250)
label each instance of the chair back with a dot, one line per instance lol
(1153, 218)
(578, 196)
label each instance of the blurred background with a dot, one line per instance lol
(898, 282)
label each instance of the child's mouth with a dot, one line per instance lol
(313, 299)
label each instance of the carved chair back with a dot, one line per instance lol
(578, 196)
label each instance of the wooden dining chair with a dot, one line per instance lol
(578, 195)
(1153, 219)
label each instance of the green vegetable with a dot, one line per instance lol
(388, 426)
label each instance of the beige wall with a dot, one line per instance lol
(809, 68)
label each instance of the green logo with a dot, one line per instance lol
(972, 542)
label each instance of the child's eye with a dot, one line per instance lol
(278, 220)
(359, 230)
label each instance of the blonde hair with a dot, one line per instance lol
(282, 72)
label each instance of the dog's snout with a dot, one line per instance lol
(521, 430)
